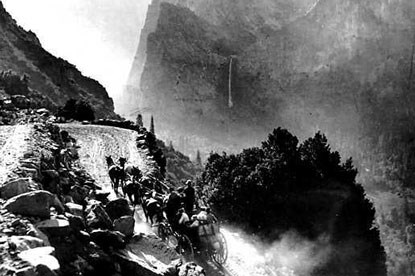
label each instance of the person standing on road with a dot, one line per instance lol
(173, 204)
(189, 197)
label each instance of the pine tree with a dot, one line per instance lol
(152, 125)
(198, 158)
(139, 120)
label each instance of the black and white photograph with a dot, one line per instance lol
(207, 138)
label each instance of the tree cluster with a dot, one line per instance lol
(13, 83)
(79, 110)
(156, 151)
(284, 186)
(179, 167)
(253, 184)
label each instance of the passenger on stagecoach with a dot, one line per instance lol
(182, 220)
(205, 216)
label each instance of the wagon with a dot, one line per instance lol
(204, 239)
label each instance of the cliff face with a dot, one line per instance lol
(307, 65)
(219, 75)
(53, 77)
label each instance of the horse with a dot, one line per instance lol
(134, 191)
(152, 183)
(130, 171)
(115, 173)
(152, 207)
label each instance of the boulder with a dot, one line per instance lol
(65, 183)
(75, 209)
(67, 198)
(31, 163)
(92, 185)
(22, 243)
(20, 101)
(148, 256)
(125, 225)
(132, 264)
(36, 203)
(102, 196)
(16, 187)
(35, 232)
(97, 217)
(51, 181)
(99, 262)
(79, 193)
(41, 256)
(151, 245)
(29, 172)
(83, 237)
(106, 238)
(75, 222)
(54, 227)
(118, 208)
(43, 111)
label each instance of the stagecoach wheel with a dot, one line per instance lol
(172, 241)
(220, 249)
(185, 248)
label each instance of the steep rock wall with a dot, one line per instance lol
(342, 67)
(53, 77)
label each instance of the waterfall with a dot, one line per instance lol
(230, 103)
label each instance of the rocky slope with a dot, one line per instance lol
(55, 219)
(55, 78)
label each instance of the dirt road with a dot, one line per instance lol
(96, 142)
(13, 143)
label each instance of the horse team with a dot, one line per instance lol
(142, 190)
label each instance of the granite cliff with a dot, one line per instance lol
(291, 64)
(221, 74)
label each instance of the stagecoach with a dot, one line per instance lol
(204, 240)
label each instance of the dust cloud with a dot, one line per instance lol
(292, 255)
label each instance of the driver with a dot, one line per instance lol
(182, 220)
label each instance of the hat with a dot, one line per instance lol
(188, 182)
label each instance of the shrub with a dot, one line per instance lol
(79, 110)
(13, 83)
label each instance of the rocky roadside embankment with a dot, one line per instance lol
(56, 220)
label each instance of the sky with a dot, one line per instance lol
(99, 37)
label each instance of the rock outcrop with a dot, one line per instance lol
(291, 63)
(96, 217)
(118, 208)
(17, 187)
(125, 225)
(36, 204)
(51, 80)
(41, 257)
